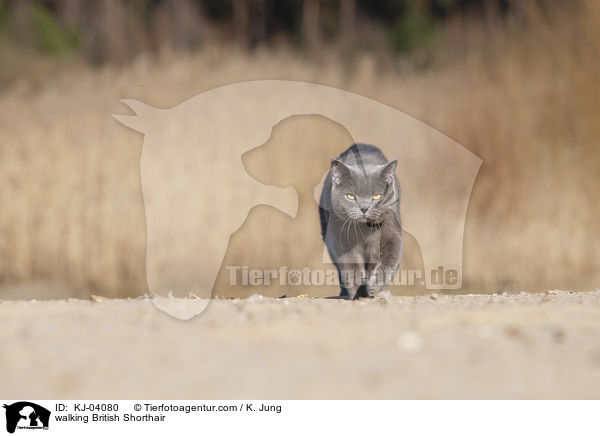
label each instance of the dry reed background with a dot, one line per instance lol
(522, 95)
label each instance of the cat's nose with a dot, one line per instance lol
(364, 209)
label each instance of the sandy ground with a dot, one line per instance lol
(471, 346)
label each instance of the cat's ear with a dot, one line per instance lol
(339, 171)
(388, 170)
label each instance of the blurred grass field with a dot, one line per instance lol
(523, 95)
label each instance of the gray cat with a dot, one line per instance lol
(360, 220)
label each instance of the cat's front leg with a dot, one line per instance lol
(352, 278)
(388, 261)
(380, 277)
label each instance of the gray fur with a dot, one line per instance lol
(363, 235)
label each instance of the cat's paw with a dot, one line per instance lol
(384, 294)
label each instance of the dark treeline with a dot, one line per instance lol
(114, 30)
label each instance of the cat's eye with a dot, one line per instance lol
(376, 196)
(350, 197)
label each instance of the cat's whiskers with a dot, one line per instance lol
(346, 221)
(348, 232)
(349, 221)
(360, 230)
(355, 232)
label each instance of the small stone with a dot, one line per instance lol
(559, 335)
(512, 331)
(410, 341)
(98, 298)
(255, 297)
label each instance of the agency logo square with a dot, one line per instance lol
(24, 415)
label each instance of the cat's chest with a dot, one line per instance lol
(363, 237)
(372, 241)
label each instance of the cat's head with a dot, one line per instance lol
(362, 193)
